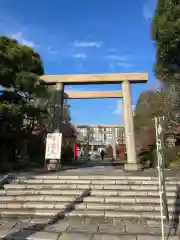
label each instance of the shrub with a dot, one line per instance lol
(172, 156)
(147, 157)
(67, 155)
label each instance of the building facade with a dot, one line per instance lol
(103, 135)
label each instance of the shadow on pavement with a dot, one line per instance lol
(176, 213)
(75, 165)
(27, 231)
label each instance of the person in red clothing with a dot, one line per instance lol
(75, 151)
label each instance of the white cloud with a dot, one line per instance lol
(30, 36)
(125, 64)
(117, 60)
(115, 57)
(148, 9)
(51, 50)
(73, 88)
(50, 53)
(19, 36)
(114, 65)
(80, 56)
(87, 44)
(119, 108)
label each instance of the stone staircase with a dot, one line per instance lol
(117, 197)
(84, 207)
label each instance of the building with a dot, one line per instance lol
(83, 132)
(120, 135)
(102, 135)
(98, 135)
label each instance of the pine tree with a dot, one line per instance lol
(166, 35)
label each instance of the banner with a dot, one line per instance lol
(159, 122)
(53, 146)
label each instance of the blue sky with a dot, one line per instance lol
(87, 36)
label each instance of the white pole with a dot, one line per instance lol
(114, 143)
(160, 184)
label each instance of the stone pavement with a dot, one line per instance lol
(81, 229)
(99, 167)
(122, 188)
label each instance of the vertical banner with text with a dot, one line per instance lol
(53, 146)
(159, 124)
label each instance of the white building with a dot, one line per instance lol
(103, 135)
(83, 131)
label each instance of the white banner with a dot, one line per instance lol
(53, 146)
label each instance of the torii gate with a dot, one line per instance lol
(125, 78)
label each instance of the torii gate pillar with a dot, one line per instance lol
(131, 164)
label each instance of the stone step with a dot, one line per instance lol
(129, 200)
(33, 205)
(124, 207)
(78, 191)
(88, 199)
(95, 177)
(45, 198)
(66, 186)
(115, 214)
(94, 181)
(60, 192)
(20, 213)
(84, 206)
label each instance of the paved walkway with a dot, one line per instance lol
(82, 229)
(99, 167)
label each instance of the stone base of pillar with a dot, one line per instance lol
(132, 167)
(53, 165)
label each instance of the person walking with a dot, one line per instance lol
(82, 153)
(102, 154)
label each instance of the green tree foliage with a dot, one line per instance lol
(20, 68)
(66, 112)
(25, 102)
(48, 104)
(149, 105)
(20, 111)
(166, 35)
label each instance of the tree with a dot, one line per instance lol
(166, 34)
(20, 108)
(20, 68)
(25, 101)
(66, 112)
(48, 105)
(149, 105)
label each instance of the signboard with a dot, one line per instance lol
(159, 122)
(53, 146)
